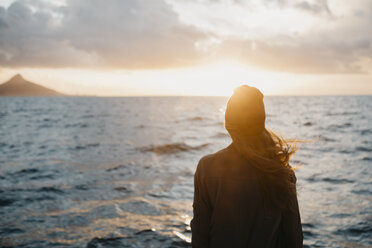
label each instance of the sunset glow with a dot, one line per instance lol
(182, 47)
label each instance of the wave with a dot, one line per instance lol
(28, 171)
(309, 234)
(196, 118)
(106, 242)
(79, 125)
(308, 225)
(116, 167)
(363, 149)
(51, 190)
(366, 131)
(357, 229)
(82, 187)
(340, 126)
(342, 113)
(82, 147)
(87, 116)
(140, 238)
(340, 215)
(324, 138)
(6, 202)
(122, 189)
(47, 176)
(158, 195)
(337, 180)
(172, 148)
(44, 126)
(32, 174)
(11, 230)
(330, 180)
(362, 192)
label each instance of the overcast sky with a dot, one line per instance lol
(189, 47)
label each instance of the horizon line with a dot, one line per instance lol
(219, 96)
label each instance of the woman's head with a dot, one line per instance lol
(245, 121)
(245, 111)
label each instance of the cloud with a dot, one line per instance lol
(122, 34)
(311, 36)
(312, 6)
(300, 57)
(319, 7)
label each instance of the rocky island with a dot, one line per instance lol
(18, 86)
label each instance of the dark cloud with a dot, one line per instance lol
(319, 7)
(125, 34)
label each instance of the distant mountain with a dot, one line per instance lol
(18, 86)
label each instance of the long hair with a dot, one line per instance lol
(270, 155)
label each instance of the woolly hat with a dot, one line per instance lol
(245, 111)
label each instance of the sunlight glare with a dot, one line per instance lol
(220, 78)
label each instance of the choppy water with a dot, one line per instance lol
(118, 172)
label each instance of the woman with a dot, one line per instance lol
(245, 194)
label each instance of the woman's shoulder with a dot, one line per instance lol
(211, 163)
(221, 154)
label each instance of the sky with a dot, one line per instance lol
(189, 47)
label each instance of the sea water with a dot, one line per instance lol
(118, 172)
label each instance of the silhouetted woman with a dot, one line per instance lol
(245, 194)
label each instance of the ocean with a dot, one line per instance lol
(118, 172)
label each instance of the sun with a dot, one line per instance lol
(220, 78)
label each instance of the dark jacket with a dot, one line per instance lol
(228, 207)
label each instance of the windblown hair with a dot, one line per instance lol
(270, 155)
